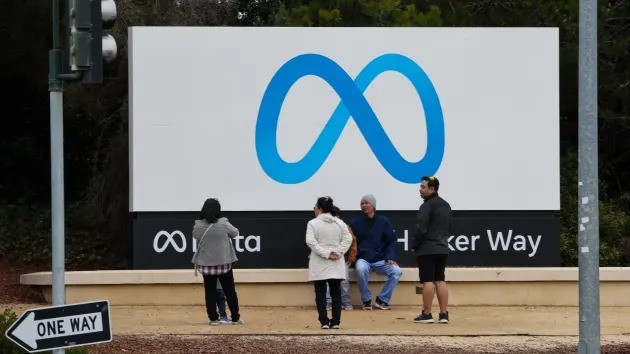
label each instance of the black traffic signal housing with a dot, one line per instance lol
(87, 44)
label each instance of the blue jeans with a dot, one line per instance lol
(363, 270)
(345, 292)
(221, 302)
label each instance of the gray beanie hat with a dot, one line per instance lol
(370, 199)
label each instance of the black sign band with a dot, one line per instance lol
(277, 239)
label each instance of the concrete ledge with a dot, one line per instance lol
(186, 276)
(289, 287)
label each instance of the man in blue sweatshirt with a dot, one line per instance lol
(376, 244)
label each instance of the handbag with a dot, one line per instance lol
(199, 245)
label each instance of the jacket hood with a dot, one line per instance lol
(201, 223)
(326, 217)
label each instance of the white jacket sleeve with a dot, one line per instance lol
(312, 243)
(346, 237)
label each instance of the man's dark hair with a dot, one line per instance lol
(211, 210)
(432, 182)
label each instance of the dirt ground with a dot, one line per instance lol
(350, 344)
(176, 329)
(11, 291)
(184, 329)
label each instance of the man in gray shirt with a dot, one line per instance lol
(430, 246)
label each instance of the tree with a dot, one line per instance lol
(350, 13)
(613, 104)
(613, 65)
(96, 117)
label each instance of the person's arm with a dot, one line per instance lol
(352, 253)
(421, 226)
(198, 232)
(346, 237)
(353, 226)
(390, 243)
(312, 243)
(232, 231)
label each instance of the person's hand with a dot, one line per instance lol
(334, 256)
(390, 262)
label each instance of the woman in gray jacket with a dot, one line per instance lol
(214, 258)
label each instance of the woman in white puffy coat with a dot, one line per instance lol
(329, 239)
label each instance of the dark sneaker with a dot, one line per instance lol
(381, 305)
(444, 317)
(424, 318)
(325, 326)
(335, 327)
(367, 305)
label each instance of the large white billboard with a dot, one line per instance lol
(272, 118)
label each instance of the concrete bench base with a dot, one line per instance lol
(288, 287)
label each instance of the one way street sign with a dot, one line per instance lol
(62, 326)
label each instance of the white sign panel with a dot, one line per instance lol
(62, 326)
(272, 118)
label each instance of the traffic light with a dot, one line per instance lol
(87, 45)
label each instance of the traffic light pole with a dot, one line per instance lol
(55, 87)
(86, 19)
(85, 14)
(57, 192)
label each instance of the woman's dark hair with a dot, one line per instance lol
(336, 212)
(211, 210)
(325, 204)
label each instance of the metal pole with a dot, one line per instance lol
(588, 199)
(55, 86)
(57, 189)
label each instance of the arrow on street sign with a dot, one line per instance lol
(62, 326)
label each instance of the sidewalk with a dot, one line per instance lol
(465, 321)
(398, 321)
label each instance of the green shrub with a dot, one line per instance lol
(6, 320)
(614, 222)
(25, 235)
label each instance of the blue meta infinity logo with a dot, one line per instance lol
(353, 104)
